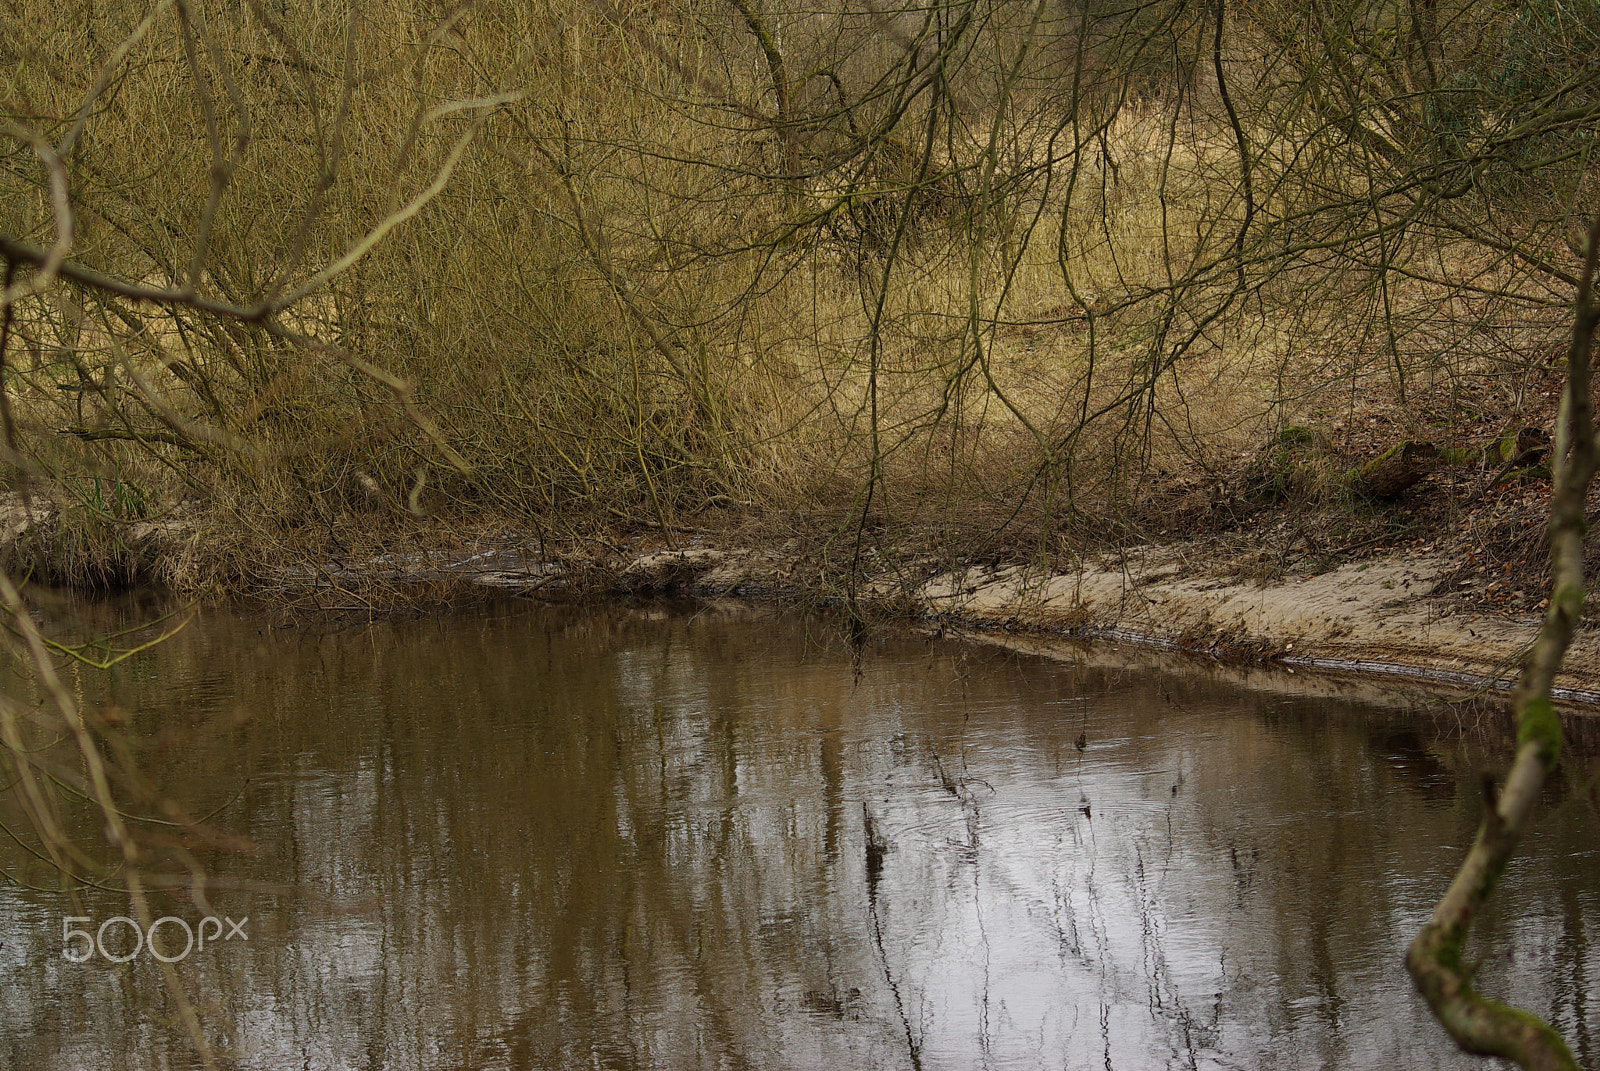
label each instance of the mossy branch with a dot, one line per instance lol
(1435, 957)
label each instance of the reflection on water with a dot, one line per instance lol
(556, 838)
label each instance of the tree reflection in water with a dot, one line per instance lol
(626, 838)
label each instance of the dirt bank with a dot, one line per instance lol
(1379, 616)
(1397, 614)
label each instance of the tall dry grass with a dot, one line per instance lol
(976, 269)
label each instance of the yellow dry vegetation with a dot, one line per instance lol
(972, 267)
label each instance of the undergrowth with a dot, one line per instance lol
(339, 280)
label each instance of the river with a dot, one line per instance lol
(666, 837)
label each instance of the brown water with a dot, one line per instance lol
(612, 838)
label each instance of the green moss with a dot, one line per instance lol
(1448, 954)
(1523, 1026)
(1541, 725)
(1569, 600)
(1296, 435)
(1397, 448)
(1293, 464)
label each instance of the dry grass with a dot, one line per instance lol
(617, 310)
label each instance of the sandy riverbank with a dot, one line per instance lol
(1376, 617)
(1398, 615)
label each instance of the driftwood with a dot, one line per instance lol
(1404, 465)
(1396, 470)
(1299, 462)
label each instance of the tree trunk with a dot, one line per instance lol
(1435, 958)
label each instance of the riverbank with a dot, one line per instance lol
(1378, 617)
(1424, 608)
(1398, 614)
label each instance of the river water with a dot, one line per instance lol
(648, 838)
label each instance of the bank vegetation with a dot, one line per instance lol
(1009, 279)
